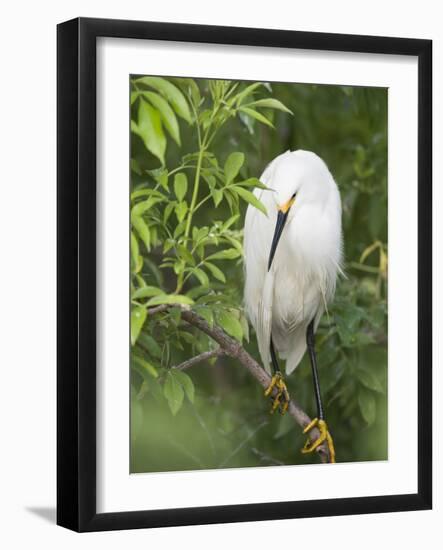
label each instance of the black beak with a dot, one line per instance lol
(281, 220)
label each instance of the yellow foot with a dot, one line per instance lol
(281, 398)
(324, 436)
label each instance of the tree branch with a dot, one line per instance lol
(234, 349)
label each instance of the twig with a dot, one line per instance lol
(234, 349)
(199, 358)
(242, 444)
(266, 458)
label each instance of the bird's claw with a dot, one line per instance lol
(281, 397)
(324, 436)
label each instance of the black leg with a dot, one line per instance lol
(274, 360)
(310, 340)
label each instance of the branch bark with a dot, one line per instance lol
(234, 349)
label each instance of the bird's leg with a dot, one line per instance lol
(281, 398)
(318, 422)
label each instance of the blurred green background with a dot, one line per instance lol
(217, 416)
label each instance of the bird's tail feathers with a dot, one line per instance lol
(298, 347)
(298, 343)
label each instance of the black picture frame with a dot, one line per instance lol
(76, 279)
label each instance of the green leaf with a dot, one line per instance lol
(134, 249)
(230, 324)
(215, 271)
(143, 230)
(248, 122)
(252, 182)
(212, 297)
(245, 327)
(175, 315)
(179, 229)
(186, 382)
(168, 211)
(180, 186)
(146, 366)
(207, 314)
(185, 254)
(258, 116)
(250, 198)
(150, 344)
(369, 380)
(174, 393)
(366, 402)
(147, 193)
(217, 196)
(162, 179)
(228, 254)
(153, 268)
(146, 292)
(138, 317)
(149, 128)
(169, 299)
(246, 92)
(180, 211)
(134, 96)
(201, 233)
(346, 335)
(229, 222)
(271, 104)
(189, 86)
(188, 337)
(166, 113)
(135, 167)
(235, 243)
(144, 206)
(205, 118)
(232, 166)
(169, 92)
(144, 388)
(201, 276)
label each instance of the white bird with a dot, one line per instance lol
(292, 259)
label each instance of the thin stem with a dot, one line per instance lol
(195, 190)
(194, 110)
(182, 167)
(202, 202)
(366, 268)
(194, 193)
(191, 211)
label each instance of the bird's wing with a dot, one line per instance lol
(260, 282)
(264, 319)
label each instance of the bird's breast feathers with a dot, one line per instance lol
(304, 269)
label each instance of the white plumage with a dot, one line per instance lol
(302, 277)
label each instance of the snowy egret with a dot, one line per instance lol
(292, 259)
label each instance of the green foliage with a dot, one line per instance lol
(197, 148)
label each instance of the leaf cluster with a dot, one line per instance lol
(191, 255)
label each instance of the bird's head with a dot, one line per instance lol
(297, 178)
(287, 181)
(283, 210)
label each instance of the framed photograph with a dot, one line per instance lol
(244, 274)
